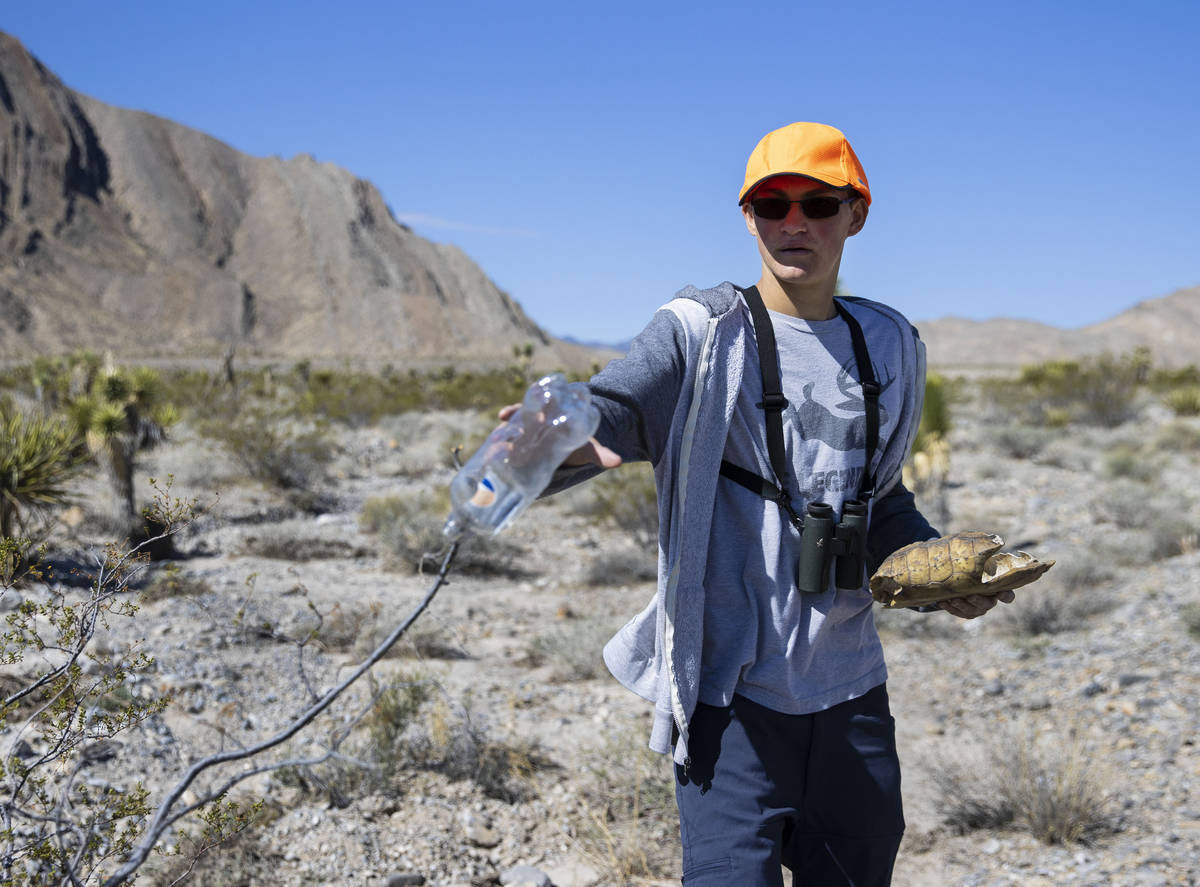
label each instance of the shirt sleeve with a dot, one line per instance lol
(895, 522)
(636, 396)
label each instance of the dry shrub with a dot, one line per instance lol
(424, 640)
(1021, 442)
(1054, 785)
(376, 754)
(1157, 526)
(395, 708)
(627, 498)
(410, 528)
(171, 582)
(1071, 592)
(1133, 463)
(622, 568)
(279, 544)
(341, 627)
(243, 859)
(456, 741)
(272, 449)
(1178, 437)
(907, 623)
(1184, 401)
(629, 825)
(1190, 614)
(572, 650)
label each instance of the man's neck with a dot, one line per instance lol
(807, 303)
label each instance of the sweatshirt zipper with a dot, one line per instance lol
(681, 485)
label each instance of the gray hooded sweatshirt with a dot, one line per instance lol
(671, 401)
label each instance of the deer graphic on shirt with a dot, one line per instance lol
(815, 421)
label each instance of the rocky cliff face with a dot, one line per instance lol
(121, 230)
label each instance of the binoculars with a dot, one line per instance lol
(823, 542)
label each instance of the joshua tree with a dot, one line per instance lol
(122, 413)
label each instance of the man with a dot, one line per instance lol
(771, 699)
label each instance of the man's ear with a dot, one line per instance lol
(858, 216)
(748, 215)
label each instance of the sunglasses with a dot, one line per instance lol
(776, 208)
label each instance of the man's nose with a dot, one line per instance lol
(795, 220)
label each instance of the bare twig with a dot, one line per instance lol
(166, 814)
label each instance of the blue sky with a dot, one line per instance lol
(1027, 159)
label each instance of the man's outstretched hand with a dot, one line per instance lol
(591, 453)
(975, 605)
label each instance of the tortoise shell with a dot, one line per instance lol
(952, 566)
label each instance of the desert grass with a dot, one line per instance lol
(1156, 525)
(278, 543)
(628, 827)
(171, 582)
(1021, 442)
(1190, 615)
(1180, 436)
(1184, 401)
(572, 649)
(456, 739)
(1055, 784)
(625, 498)
(622, 567)
(409, 527)
(1076, 589)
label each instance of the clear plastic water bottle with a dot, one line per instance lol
(517, 460)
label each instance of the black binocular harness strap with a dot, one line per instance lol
(774, 403)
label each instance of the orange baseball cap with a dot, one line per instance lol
(813, 150)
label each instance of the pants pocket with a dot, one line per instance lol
(713, 869)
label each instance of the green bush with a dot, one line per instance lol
(935, 414)
(1098, 391)
(1190, 614)
(1133, 463)
(355, 398)
(1184, 401)
(1167, 379)
(37, 459)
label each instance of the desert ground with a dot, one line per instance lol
(1052, 741)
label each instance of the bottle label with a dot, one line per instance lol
(485, 494)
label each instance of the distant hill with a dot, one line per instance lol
(1169, 326)
(122, 231)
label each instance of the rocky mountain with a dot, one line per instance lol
(125, 231)
(1169, 326)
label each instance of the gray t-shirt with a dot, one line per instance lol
(794, 653)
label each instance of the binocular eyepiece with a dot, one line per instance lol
(823, 542)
